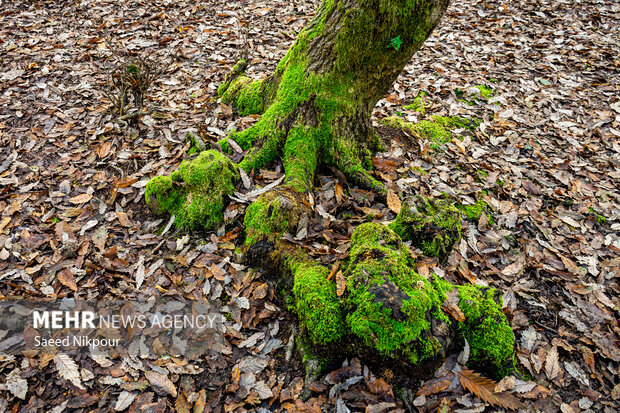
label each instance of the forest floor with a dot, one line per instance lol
(544, 164)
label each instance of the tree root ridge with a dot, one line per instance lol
(388, 314)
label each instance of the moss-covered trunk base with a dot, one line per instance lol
(315, 109)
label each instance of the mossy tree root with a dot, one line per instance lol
(432, 225)
(388, 314)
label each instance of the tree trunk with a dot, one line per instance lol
(317, 104)
(316, 109)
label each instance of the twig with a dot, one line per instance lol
(123, 119)
(134, 115)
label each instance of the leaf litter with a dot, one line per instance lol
(543, 162)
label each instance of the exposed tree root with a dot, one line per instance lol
(388, 313)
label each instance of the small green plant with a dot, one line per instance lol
(395, 43)
(599, 218)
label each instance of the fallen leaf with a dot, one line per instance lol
(161, 383)
(140, 271)
(17, 385)
(124, 400)
(80, 199)
(433, 386)
(484, 389)
(340, 284)
(451, 305)
(66, 278)
(552, 364)
(68, 369)
(393, 202)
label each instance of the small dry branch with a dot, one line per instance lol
(128, 82)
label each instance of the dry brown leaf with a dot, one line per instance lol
(379, 386)
(99, 237)
(161, 383)
(483, 388)
(68, 369)
(552, 364)
(340, 284)
(181, 405)
(393, 202)
(124, 400)
(531, 187)
(333, 270)
(513, 269)
(339, 193)
(451, 305)
(5, 221)
(123, 219)
(67, 279)
(236, 375)
(433, 387)
(104, 150)
(125, 182)
(80, 199)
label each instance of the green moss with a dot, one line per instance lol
(599, 218)
(473, 212)
(234, 89)
(236, 72)
(419, 103)
(490, 338)
(333, 94)
(272, 215)
(264, 218)
(437, 130)
(301, 157)
(389, 305)
(250, 98)
(316, 303)
(195, 192)
(485, 91)
(433, 226)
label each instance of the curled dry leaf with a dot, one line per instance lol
(66, 278)
(451, 305)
